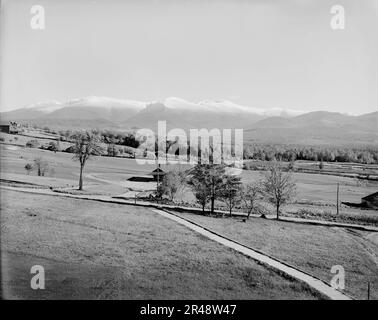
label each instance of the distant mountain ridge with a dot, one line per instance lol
(260, 125)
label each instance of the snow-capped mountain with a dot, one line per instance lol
(273, 125)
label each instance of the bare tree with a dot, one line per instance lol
(181, 173)
(86, 145)
(41, 165)
(169, 185)
(251, 194)
(278, 186)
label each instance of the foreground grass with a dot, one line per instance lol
(314, 249)
(94, 250)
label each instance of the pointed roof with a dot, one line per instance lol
(371, 196)
(157, 172)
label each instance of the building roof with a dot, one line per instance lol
(157, 172)
(371, 196)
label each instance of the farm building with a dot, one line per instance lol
(10, 127)
(157, 175)
(5, 128)
(370, 201)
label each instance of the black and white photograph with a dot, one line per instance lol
(167, 151)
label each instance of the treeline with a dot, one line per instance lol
(263, 152)
(106, 136)
(319, 153)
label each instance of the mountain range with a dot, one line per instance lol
(260, 125)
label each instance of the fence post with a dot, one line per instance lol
(337, 199)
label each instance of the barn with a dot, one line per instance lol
(370, 201)
(5, 128)
(11, 127)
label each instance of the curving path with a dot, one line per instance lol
(313, 282)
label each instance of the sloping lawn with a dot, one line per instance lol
(314, 249)
(95, 250)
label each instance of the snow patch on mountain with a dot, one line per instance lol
(217, 106)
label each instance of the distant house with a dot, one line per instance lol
(370, 201)
(11, 127)
(5, 128)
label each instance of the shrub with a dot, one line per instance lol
(41, 165)
(32, 144)
(129, 151)
(53, 146)
(169, 185)
(112, 150)
(28, 167)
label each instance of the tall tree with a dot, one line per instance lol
(230, 192)
(202, 194)
(86, 144)
(211, 178)
(278, 186)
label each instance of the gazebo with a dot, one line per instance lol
(157, 174)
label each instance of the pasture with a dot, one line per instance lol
(109, 176)
(92, 250)
(313, 249)
(316, 188)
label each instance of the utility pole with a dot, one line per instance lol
(337, 199)
(157, 182)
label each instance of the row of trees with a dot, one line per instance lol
(210, 183)
(330, 154)
(264, 152)
(110, 137)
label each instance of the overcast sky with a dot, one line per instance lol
(259, 53)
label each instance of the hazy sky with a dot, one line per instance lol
(257, 53)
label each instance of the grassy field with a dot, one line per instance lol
(108, 176)
(93, 250)
(311, 187)
(314, 249)
(322, 188)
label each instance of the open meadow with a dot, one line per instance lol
(310, 248)
(92, 250)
